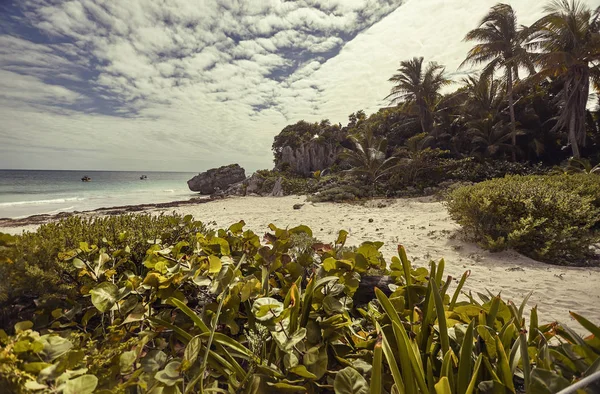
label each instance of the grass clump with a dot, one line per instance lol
(555, 219)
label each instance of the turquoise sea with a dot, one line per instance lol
(31, 192)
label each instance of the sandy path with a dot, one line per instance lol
(425, 229)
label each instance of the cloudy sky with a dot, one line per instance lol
(185, 85)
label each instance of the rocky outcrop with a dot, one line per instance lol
(277, 188)
(257, 185)
(217, 179)
(309, 157)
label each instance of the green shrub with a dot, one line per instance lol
(338, 188)
(224, 312)
(37, 257)
(471, 170)
(292, 184)
(554, 218)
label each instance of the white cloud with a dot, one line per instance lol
(187, 85)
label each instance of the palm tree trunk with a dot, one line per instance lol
(511, 107)
(577, 92)
(573, 137)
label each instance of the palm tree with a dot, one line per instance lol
(481, 112)
(501, 46)
(368, 158)
(418, 88)
(569, 43)
(483, 97)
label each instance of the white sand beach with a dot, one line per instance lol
(423, 226)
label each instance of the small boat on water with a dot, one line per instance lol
(86, 179)
(143, 177)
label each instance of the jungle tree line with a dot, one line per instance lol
(528, 103)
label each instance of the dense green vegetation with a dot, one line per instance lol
(552, 218)
(219, 311)
(523, 113)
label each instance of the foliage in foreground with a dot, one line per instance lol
(38, 270)
(548, 218)
(223, 312)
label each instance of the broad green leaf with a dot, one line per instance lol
(23, 326)
(215, 264)
(474, 378)
(35, 386)
(170, 375)
(286, 343)
(104, 296)
(153, 361)
(290, 360)
(341, 239)
(504, 370)
(349, 381)
(85, 384)
(35, 367)
(316, 359)
(301, 370)
(55, 346)
(301, 229)
(266, 308)
(441, 316)
(237, 228)
(126, 361)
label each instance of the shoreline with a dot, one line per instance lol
(115, 210)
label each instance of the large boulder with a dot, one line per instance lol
(221, 178)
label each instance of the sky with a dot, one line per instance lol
(187, 85)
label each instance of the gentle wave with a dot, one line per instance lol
(41, 202)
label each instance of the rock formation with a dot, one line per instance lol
(309, 157)
(277, 188)
(221, 178)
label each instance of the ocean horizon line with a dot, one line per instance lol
(63, 170)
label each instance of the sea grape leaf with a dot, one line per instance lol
(341, 239)
(126, 361)
(85, 384)
(301, 370)
(55, 346)
(104, 296)
(316, 360)
(153, 361)
(237, 228)
(170, 375)
(266, 308)
(215, 264)
(23, 326)
(349, 381)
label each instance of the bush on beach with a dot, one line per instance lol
(555, 219)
